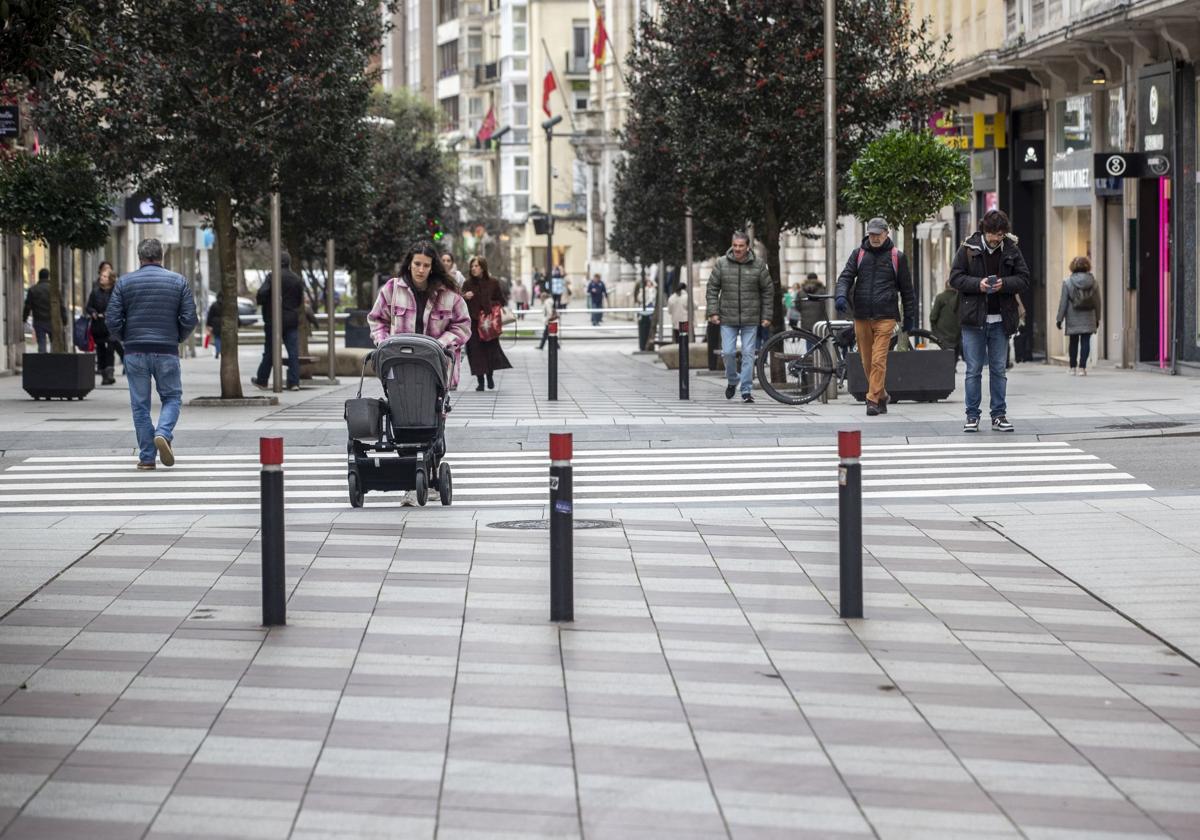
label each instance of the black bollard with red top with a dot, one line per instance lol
(562, 521)
(850, 575)
(684, 362)
(552, 361)
(274, 586)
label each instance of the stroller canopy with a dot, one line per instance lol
(411, 349)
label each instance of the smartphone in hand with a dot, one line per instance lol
(993, 283)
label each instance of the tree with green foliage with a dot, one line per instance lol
(410, 182)
(905, 177)
(57, 199)
(213, 104)
(739, 90)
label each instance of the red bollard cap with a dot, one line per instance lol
(270, 451)
(683, 326)
(560, 446)
(850, 444)
(553, 325)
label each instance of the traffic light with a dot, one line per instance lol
(434, 227)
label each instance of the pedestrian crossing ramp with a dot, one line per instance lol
(940, 472)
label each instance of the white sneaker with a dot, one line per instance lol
(409, 500)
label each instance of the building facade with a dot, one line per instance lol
(1080, 119)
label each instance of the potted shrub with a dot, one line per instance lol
(55, 198)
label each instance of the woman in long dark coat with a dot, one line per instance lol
(482, 292)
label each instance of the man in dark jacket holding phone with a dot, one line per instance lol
(292, 294)
(875, 281)
(988, 272)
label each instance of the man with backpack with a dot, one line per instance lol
(989, 273)
(871, 286)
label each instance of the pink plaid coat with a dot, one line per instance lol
(446, 318)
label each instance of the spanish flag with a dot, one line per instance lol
(598, 42)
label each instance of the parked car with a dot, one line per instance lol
(248, 313)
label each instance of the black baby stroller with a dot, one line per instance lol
(397, 443)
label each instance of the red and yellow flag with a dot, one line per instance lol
(599, 40)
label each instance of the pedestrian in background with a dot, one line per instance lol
(212, 325)
(874, 281)
(646, 293)
(452, 269)
(597, 294)
(739, 296)
(483, 294)
(291, 291)
(989, 273)
(1079, 308)
(549, 313)
(97, 305)
(37, 304)
(520, 298)
(811, 311)
(557, 285)
(791, 306)
(677, 309)
(943, 318)
(152, 311)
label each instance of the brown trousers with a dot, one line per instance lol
(873, 340)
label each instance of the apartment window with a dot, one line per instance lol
(520, 29)
(520, 65)
(1011, 19)
(520, 106)
(579, 95)
(474, 49)
(413, 44)
(521, 173)
(474, 109)
(475, 174)
(447, 59)
(447, 10)
(1038, 14)
(449, 107)
(580, 48)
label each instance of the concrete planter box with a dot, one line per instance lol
(65, 376)
(914, 375)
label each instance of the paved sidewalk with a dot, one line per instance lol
(608, 396)
(706, 689)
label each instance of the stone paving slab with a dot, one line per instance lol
(706, 689)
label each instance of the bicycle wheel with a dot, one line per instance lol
(919, 340)
(794, 367)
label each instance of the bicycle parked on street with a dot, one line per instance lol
(795, 366)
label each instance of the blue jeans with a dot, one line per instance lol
(985, 345)
(139, 368)
(291, 342)
(729, 337)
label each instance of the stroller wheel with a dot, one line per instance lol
(356, 492)
(422, 488)
(445, 488)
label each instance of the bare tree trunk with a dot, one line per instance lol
(58, 343)
(231, 378)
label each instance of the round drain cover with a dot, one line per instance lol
(544, 524)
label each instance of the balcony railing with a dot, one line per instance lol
(577, 65)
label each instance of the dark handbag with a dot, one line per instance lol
(83, 334)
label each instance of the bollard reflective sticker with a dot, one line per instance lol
(842, 474)
(553, 482)
(562, 507)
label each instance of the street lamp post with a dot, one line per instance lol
(548, 125)
(495, 141)
(276, 337)
(830, 143)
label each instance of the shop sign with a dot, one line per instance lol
(1071, 179)
(10, 120)
(143, 209)
(1132, 165)
(1155, 109)
(969, 131)
(1031, 155)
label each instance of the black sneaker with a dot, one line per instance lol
(883, 404)
(872, 409)
(1001, 424)
(730, 390)
(747, 398)
(972, 424)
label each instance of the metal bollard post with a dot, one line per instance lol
(850, 576)
(274, 588)
(684, 362)
(552, 386)
(562, 554)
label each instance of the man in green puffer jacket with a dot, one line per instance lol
(739, 299)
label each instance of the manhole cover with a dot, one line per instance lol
(1130, 427)
(544, 524)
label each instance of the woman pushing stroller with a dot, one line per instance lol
(423, 299)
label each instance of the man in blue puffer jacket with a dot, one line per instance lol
(151, 311)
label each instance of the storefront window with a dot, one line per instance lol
(1075, 123)
(1116, 120)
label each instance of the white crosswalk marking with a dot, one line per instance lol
(948, 472)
